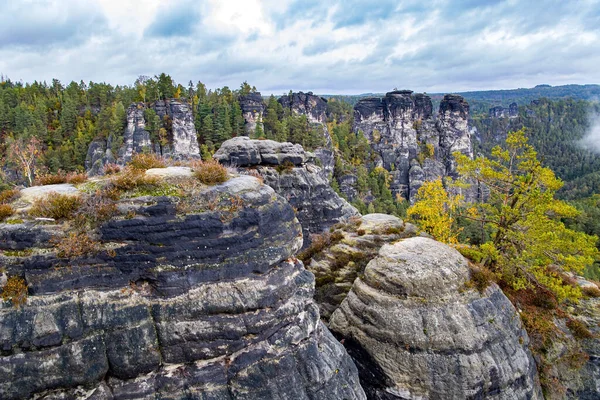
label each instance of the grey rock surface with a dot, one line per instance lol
(253, 108)
(415, 330)
(286, 167)
(409, 142)
(315, 109)
(351, 246)
(184, 141)
(243, 152)
(209, 304)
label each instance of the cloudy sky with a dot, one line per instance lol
(327, 46)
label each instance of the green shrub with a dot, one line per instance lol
(56, 206)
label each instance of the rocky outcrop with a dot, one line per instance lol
(409, 142)
(245, 152)
(291, 171)
(500, 112)
(181, 143)
(416, 330)
(349, 249)
(253, 108)
(315, 109)
(188, 297)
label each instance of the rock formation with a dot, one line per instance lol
(253, 108)
(416, 331)
(409, 142)
(195, 296)
(182, 142)
(315, 109)
(500, 112)
(291, 171)
(349, 249)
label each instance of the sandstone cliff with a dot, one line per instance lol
(409, 142)
(315, 109)
(253, 108)
(291, 171)
(181, 141)
(416, 331)
(196, 295)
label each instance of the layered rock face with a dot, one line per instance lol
(350, 249)
(205, 304)
(288, 169)
(407, 139)
(182, 140)
(253, 108)
(416, 332)
(315, 109)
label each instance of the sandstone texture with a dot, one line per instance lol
(410, 142)
(253, 108)
(416, 332)
(182, 142)
(315, 109)
(291, 171)
(349, 249)
(197, 297)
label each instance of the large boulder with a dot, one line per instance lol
(291, 171)
(417, 331)
(337, 258)
(192, 296)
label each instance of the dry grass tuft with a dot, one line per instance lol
(111, 169)
(5, 211)
(77, 245)
(131, 178)
(210, 172)
(56, 206)
(75, 178)
(146, 161)
(15, 291)
(9, 195)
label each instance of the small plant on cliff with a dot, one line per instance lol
(8, 196)
(210, 172)
(146, 161)
(132, 178)
(77, 245)
(434, 211)
(15, 291)
(95, 210)
(111, 169)
(5, 211)
(286, 167)
(55, 205)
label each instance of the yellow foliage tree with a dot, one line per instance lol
(529, 244)
(433, 212)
